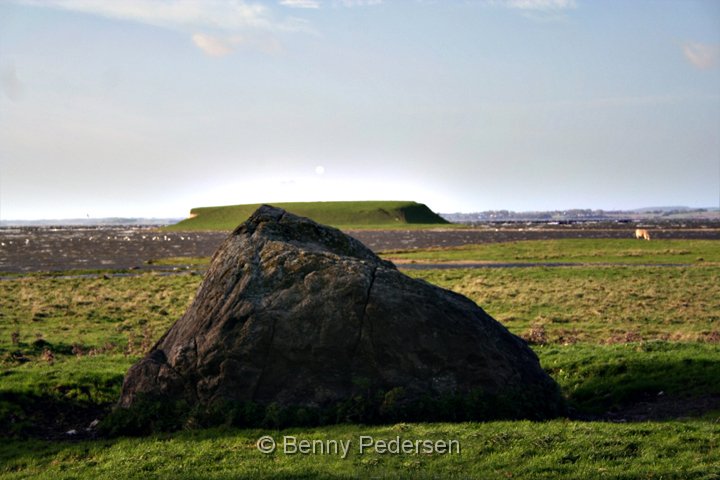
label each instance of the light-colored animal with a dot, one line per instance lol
(642, 233)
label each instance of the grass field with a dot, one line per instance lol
(571, 251)
(368, 214)
(595, 304)
(631, 342)
(497, 450)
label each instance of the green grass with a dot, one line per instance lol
(67, 342)
(40, 395)
(594, 304)
(613, 337)
(180, 261)
(572, 251)
(597, 379)
(95, 378)
(113, 315)
(495, 450)
(347, 215)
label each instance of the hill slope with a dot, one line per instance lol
(367, 214)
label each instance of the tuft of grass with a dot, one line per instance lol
(367, 214)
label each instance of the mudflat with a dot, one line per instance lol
(38, 249)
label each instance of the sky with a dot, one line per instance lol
(148, 108)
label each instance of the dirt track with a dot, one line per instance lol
(34, 249)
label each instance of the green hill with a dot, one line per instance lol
(368, 214)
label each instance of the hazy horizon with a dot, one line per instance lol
(147, 109)
(89, 220)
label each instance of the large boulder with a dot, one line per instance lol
(296, 314)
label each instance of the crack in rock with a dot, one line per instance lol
(364, 312)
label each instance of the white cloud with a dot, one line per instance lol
(233, 22)
(218, 14)
(300, 3)
(537, 10)
(359, 3)
(540, 5)
(701, 55)
(213, 46)
(219, 46)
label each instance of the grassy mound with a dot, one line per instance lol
(382, 214)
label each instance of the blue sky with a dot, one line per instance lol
(149, 107)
